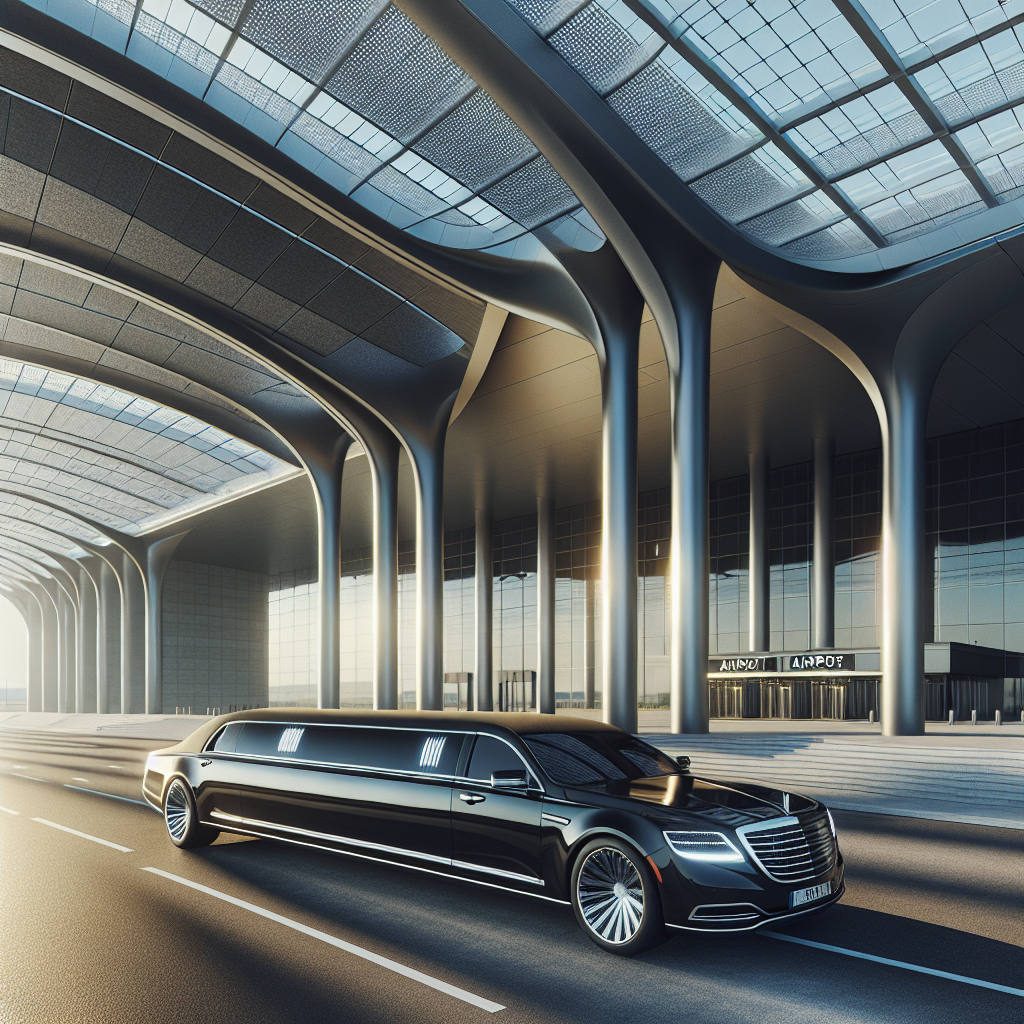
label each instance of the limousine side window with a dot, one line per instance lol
(493, 755)
(404, 750)
(224, 742)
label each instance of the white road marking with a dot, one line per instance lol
(84, 835)
(897, 963)
(7, 810)
(99, 792)
(118, 766)
(75, 778)
(31, 777)
(348, 947)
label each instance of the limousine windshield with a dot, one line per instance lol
(584, 758)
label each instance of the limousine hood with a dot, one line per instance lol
(726, 803)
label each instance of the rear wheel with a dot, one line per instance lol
(182, 820)
(615, 898)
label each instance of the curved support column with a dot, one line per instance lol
(85, 683)
(158, 554)
(382, 452)
(692, 289)
(428, 469)
(66, 663)
(46, 592)
(619, 382)
(108, 629)
(483, 665)
(903, 562)
(824, 562)
(34, 691)
(325, 464)
(759, 574)
(546, 602)
(133, 633)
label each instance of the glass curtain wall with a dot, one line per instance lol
(975, 528)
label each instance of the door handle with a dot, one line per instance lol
(205, 764)
(471, 798)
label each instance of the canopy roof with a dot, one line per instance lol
(826, 130)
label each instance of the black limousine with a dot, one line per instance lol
(563, 808)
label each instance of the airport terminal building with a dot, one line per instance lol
(514, 354)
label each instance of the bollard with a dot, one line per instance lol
(951, 719)
(999, 717)
(974, 718)
(871, 715)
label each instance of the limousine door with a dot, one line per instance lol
(385, 791)
(496, 831)
(219, 776)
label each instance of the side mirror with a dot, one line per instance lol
(510, 778)
(684, 762)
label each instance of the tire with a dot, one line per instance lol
(616, 899)
(182, 819)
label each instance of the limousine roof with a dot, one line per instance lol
(482, 721)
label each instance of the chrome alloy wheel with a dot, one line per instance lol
(611, 895)
(177, 810)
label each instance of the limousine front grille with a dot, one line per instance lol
(793, 850)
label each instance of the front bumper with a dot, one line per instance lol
(746, 902)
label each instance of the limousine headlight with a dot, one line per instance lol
(710, 846)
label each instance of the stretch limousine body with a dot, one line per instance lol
(563, 808)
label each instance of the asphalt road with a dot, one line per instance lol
(277, 933)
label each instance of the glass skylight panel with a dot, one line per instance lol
(916, 29)
(978, 79)
(806, 215)
(900, 172)
(682, 117)
(996, 145)
(860, 131)
(924, 207)
(226, 11)
(183, 32)
(785, 54)
(263, 81)
(606, 43)
(309, 35)
(546, 15)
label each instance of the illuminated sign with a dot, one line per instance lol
(746, 665)
(822, 662)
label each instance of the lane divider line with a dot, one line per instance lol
(75, 778)
(348, 947)
(84, 835)
(896, 963)
(32, 778)
(7, 810)
(99, 792)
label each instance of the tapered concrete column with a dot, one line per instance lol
(133, 633)
(68, 656)
(326, 467)
(85, 683)
(46, 591)
(546, 602)
(589, 641)
(824, 543)
(158, 555)
(903, 547)
(108, 629)
(692, 286)
(759, 576)
(34, 693)
(428, 469)
(483, 663)
(619, 381)
(384, 466)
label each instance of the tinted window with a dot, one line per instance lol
(227, 738)
(389, 749)
(491, 755)
(576, 759)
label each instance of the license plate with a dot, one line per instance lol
(815, 892)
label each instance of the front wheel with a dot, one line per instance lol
(182, 819)
(615, 899)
